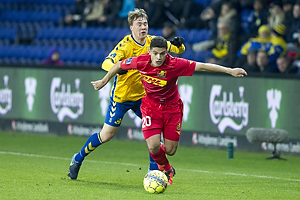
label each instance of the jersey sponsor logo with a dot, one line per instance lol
(118, 121)
(128, 61)
(162, 74)
(155, 81)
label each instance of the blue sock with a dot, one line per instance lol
(153, 164)
(92, 143)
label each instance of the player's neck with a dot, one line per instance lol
(140, 41)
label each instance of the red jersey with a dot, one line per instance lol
(160, 83)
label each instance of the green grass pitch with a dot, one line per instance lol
(35, 167)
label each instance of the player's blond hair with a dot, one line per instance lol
(137, 13)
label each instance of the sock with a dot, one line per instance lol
(92, 143)
(161, 159)
(153, 164)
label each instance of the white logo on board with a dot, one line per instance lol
(5, 97)
(65, 103)
(30, 90)
(274, 99)
(226, 112)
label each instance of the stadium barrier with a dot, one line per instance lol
(217, 108)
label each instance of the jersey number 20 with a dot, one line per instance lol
(146, 121)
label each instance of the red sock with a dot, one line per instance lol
(162, 147)
(161, 159)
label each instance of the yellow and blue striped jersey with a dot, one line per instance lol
(128, 87)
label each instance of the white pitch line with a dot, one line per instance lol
(130, 164)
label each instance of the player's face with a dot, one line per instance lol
(158, 56)
(139, 29)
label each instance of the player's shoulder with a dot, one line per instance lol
(151, 36)
(143, 57)
(126, 41)
(176, 61)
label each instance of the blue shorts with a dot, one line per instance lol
(116, 111)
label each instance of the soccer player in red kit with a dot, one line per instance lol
(162, 108)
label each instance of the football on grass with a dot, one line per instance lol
(155, 181)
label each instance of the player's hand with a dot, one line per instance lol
(238, 72)
(122, 71)
(177, 41)
(98, 84)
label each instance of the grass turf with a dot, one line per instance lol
(35, 167)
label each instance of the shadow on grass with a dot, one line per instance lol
(112, 185)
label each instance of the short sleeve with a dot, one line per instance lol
(129, 63)
(185, 67)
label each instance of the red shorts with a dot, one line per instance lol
(167, 117)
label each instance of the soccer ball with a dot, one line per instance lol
(155, 181)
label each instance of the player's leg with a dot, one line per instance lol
(107, 133)
(157, 151)
(153, 143)
(152, 165)
(172, 127)
(171, 135)
(113, 120)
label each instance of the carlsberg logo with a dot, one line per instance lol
(63, 102)
(225, 112)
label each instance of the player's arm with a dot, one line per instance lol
(208, 67)
(120, 52)
(111, 73)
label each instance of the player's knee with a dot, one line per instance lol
(107, 136)
(153, 149)
(171, 151)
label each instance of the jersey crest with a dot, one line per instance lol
(162, 74)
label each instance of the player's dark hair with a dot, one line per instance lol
(159, 42)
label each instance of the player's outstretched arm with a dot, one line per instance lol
(208, 67)
(111, 73)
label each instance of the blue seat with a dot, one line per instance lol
(97, 56)
(83, 55)
(188, 54)
(32, 52)
(183, 33)
(2, 52)
(20, 52)
(8, 33)
(63, 54)
(45, 33)
(202, 56)
(58, 33)
(74, 32)
(76, 44)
